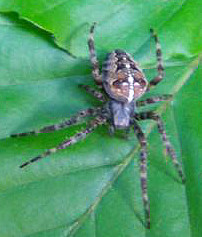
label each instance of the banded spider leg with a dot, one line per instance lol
(143, 156)
(72, 140)
(159, 57)
(97, 94)
(93, 58)
(72, 121)
(153, 100)
(143, 170)
(99, 120)
(169, 148)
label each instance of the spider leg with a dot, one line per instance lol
(72, 140)
(95, 93)
(153, 100)
(73, 120)
(143, 170)
(160, 67)
(169, 148)
(93, 57)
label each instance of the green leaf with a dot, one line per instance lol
(123, 24)
(92, 188)
(187, 114)
(29, 54)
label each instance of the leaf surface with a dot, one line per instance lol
(92, 188)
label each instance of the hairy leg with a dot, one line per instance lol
(169, 148)
(72, 140)
(73, 120)
(153, 100)
(143, 171)
(160, 67)
(95, 93)
(93, 57)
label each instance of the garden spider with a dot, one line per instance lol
(123, 83)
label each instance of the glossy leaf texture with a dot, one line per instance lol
(92, 188)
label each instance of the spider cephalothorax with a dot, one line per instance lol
(123, 83)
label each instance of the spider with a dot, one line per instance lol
(122, 83)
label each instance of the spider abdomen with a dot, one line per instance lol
(123, 80)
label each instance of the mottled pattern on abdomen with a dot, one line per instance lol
(123, 80)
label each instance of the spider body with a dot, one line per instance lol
(123, 83)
